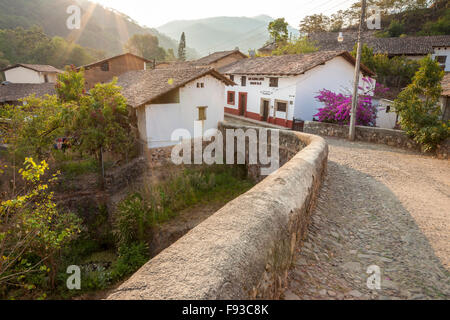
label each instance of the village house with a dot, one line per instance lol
(30, 73)
(278, 89)
(442, 55)
(23, 80)
(445, 97)
(104, 71)
(215, 60)
(174, 98)
(411, 47)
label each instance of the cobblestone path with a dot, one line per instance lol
(378, 206)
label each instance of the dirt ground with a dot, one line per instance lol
(379, 206)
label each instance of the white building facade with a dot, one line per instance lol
(31, 74)
(442, 56)
(278, 98)
(198, 110)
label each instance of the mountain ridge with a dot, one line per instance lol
(223, 32)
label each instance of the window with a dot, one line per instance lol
(243, 81)
(105, 66)
(230, 97)
(200, 85)
(441, 59)
(281, 106)
(273, 82)
(201, 113)
(232, 78)
(388, 109)
(45, 78)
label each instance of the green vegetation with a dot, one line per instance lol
(105, 30)
(162, 202)
(398, 18)
(417, 105)
(34, 46)
(147, 46)
(278, 30)
(33, 231)
(182, 48)
(295, 46)
(394, 73)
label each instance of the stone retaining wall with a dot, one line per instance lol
(394, 138)
(246, 248)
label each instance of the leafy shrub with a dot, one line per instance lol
(131, 258)
(98, 279)
(418, 108)
(33, 232)
(132, 219)
(338, 107)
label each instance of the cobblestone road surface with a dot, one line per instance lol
(378, 206)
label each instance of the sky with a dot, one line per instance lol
(156, 13)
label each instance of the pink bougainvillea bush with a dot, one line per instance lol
(338, 106)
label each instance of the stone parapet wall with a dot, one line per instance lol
(245, 249)
(394, 138)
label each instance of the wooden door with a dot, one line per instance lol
(242, 103)
(265, 110)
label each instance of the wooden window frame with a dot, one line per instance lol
(444, 58)
(205, 115)
(243, 81)
(270, 82)
(103, 68)
(231, 103)
(276, 108)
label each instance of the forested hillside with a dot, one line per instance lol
(398, 17)
(102, 29)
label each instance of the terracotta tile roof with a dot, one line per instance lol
(143, 86)
(12, 92)
(392, 46)
(35, 67)
(287, 64)
(446, 85)
(213, 57)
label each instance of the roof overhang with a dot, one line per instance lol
(211, 72)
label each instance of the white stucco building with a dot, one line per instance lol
(387, 118)
(442, 55)
(31, 73)
(169, 99)
(278, 89)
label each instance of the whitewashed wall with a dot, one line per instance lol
(386, 120)
(443, 51)
(25, 75)
(163, 119)
(336, 75)
(285, 91)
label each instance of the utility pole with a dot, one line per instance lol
(356, 78)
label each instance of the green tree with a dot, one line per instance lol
(296, 46)
(170, 55)
(315, 23)
(395, 29)
(182, 48)
(33, 230)
(100, 123)
(278, 30)
(147, 46)
(417, 105)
